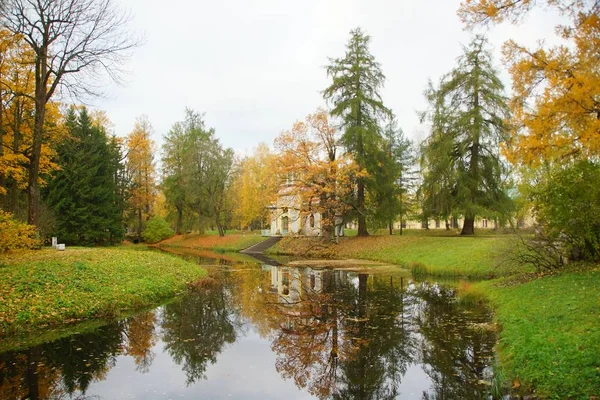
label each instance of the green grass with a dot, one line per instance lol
(550, 337)
(455, 256)
(46, 288)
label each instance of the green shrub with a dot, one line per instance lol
(157, 229)
(568, 208)
(16, 235)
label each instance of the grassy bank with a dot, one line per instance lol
(227, 243)
(550, 338)
(456, 256)
(46, 288)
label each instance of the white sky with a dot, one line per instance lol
(256, 66)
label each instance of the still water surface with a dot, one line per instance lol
(256, 331)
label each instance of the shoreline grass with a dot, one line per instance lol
(436, 255)
(550, 339)
(46, 288)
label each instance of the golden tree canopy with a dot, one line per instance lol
(556, 103)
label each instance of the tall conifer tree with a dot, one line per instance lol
(354, 94)
(83, 194)
(468, 113)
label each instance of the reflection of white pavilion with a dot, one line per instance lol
(291, 283)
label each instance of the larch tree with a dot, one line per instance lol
(468, 111)
(354, 95)
(556, 90)
(73, 43)
(141, 171)
(389, 194)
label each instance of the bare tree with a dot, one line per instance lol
(75, 43)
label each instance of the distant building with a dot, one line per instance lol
(527, 221)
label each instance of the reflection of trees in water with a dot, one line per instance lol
(141, 337)
(62, 367)
(456, 352)
(357, 335)
(195, 328)
(379, 331)
(350, 339)
(343, 335)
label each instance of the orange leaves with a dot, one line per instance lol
(309, 165)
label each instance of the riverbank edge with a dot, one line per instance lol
(457, 257)
(522, 310)
(231, 243)
(44, 290)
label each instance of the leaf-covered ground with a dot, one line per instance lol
(48, 287)
(229, 242)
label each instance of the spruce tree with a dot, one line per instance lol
(354, 95)
(83, 193)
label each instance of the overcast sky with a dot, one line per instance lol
(255, 67)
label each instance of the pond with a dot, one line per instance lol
(262, 331)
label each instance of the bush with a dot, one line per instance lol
(16, 235)
(568, 209)
(156, 230)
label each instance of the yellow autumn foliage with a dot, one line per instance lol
(17, 87)
(556, 101)
(16, 235)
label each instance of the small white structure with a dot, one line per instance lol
(54, 242)
(60, 247)
(286, 218)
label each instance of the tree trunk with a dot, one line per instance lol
(391, 227)
(4, 202)
(33, 190)
(179, 223)
(218, 222)
(219, 227)
(362, 220)
(401, 223)
(14, 188)
(139, 227)
(468, 225)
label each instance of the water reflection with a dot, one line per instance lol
(196, 328)
(333, 333)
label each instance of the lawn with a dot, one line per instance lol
(550, 338)
(227, 243)
(437, 255)
(45, 288)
